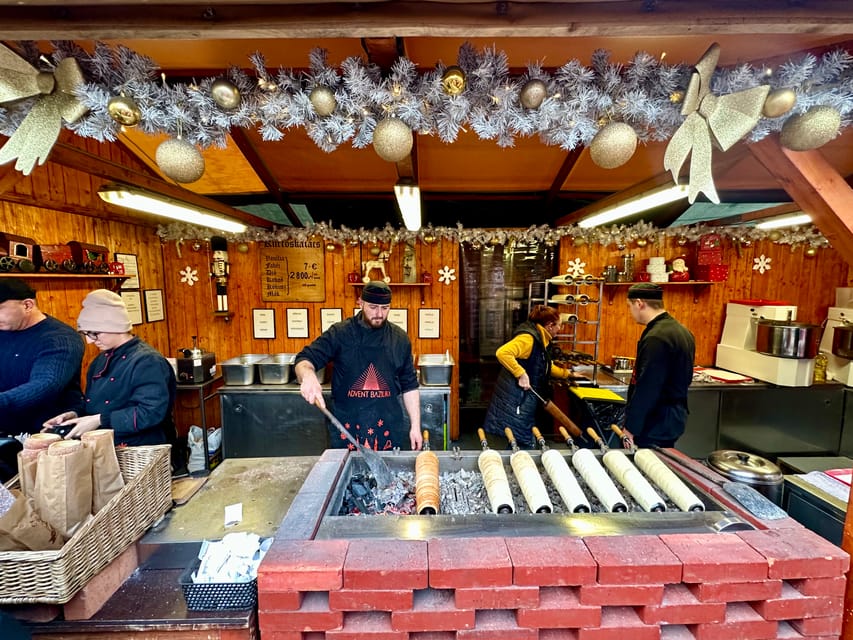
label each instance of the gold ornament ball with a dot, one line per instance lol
(779, 102)
(242, 247)
(579, 241)
(642, 242)
(811, 252)
(180, 160)
(811, 129)
(124, 110)
(429, 238)
(613, 145)
(392, 139)
(676, 97)
(533, 93)
(323, 100)
(681, 241)
(775, 235)
(375, 251)
(225, 93)
(453, 81)
(331, 246)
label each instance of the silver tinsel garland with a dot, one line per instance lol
(579, 98)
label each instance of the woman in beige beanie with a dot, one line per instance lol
(130, 387)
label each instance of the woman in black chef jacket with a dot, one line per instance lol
(130, 387)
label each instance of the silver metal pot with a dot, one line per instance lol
(759, 473)
(787, 339)
(622, 363)
(842, 341)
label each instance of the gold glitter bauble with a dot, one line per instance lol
(676, 97)
(180, 160)
(579, 241)
(453, 81)
(533, 93)
(811, 252)
(429, 239)
(124, 110)
(225, 93)
(642, 242)
(242, 248)
(331, 246)
(774, 235)
(811, 129)
(323, 100)
(613, 145)
(779, 102)
(392, 139)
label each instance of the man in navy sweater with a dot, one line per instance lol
(42, 359)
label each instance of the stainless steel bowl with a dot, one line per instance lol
(785, 339)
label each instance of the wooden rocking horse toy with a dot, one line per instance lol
(379, 263)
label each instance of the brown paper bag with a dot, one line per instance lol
(106, 473)
(27, 465)
(64, 486)
(22, 529)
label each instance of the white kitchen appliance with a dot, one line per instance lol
(736, 350)
(837, 368)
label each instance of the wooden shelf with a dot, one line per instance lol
(698, 287)
(114, 279)
(395, 284)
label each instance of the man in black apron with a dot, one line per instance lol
(372, 371)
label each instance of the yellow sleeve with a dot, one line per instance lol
(559, 372)
(520, 346)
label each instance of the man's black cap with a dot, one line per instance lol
(645, 291)
(14, 289)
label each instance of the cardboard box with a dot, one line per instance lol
(709, 256)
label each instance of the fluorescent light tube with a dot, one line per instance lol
(409, 201)
(149, 202)
(785, 221)
(628, 208)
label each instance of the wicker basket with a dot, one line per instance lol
(55, 576)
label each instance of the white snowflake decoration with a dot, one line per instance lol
(762, 263)
(576, 268)
(446, 274)
(189, 275)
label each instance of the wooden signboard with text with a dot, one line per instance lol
(293, 271)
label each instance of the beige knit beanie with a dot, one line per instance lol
(104, 311)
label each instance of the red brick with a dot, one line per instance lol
(618, 623)
(433, 610)
(787, 632)
(559, 607)
(286, 635)
(741, 622)
(94, 595)
(736, 591)
(716, 558)
(830, 626)
(469, 562)
(313, 615)
(551, 561)
(680, 606)
(628, 595)
(279, 600)
(797, 553)
(496, 625)
(433, 635)
(367, 625)
(498, 598)
(401, 564)
(303, 565)
(793, 605)
(558, 634)
(821, 586)
(633, 560)
(370, 600)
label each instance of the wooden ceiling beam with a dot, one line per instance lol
(262, 170)
(74, 158)
(816, 187)
(251, 19)
(569, 163)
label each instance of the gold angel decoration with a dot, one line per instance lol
(722, 120)
(34, 138)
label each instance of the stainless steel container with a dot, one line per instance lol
(436, 368)
(842, 341)
(242, 370)
(785, 339)
(755, 471)
(277, 368)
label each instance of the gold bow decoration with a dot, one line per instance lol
(34, 138)
(721, 120)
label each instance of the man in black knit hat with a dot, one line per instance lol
(656, 412)
(372, 369)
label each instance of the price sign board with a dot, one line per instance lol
(293, 271)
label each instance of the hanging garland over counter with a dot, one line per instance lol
(620, 236)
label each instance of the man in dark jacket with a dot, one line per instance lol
(657, 396)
